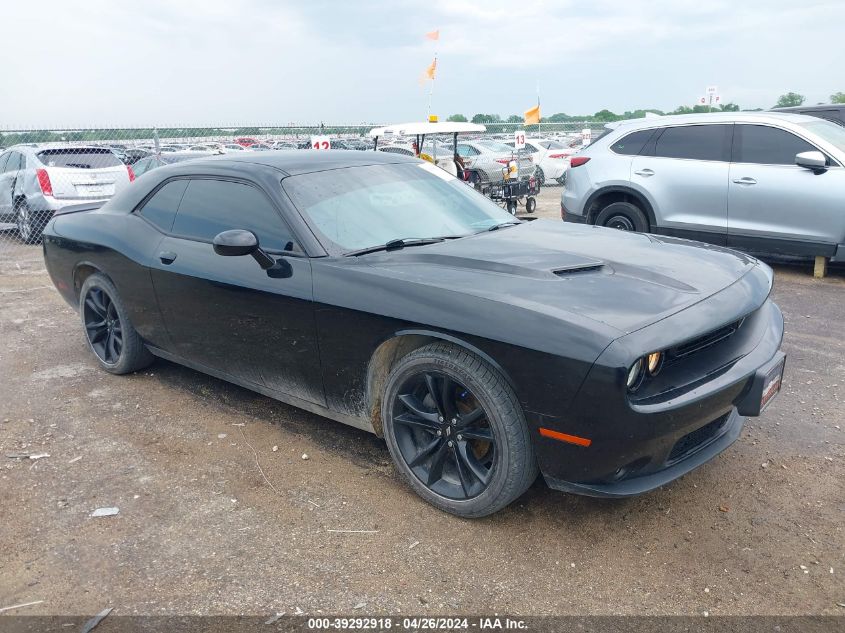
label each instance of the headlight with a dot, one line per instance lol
(654, 362)
(635, 375)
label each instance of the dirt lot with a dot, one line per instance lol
(203, 528)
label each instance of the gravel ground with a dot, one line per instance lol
(219, 511)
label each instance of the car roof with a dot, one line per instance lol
(294, 162)
(711, 117)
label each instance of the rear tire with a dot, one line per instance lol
(624, 216)
(30, 223)
(456, 431)
(110, 336)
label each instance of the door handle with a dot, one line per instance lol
(167, 257)
(645, 173)
(745, 181)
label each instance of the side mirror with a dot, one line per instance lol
(814, 161)
(235, 243)
(239, 242)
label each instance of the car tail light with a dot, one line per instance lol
(558, 155)
(503, 161)
(44, 182)
(577, 161)
(131, 173)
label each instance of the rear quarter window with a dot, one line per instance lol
(633, 143)
(161, 208)
(79, 158)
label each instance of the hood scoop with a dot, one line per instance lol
(571, 271)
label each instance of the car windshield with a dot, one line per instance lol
(830, 132)
(496, 146)
(360, 207)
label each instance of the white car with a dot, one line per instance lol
(551, 158)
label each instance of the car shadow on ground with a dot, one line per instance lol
(367, 451)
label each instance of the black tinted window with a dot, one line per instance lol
(697, 142)
(767, 145)
(79, 157)
(161, 208)
(632, 143)
(211, 206)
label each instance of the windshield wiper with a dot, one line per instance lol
(395, 245)
(496, 227)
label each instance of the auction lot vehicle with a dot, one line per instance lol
(550, 157)
(37, 181)
(832, 112)
(380, 291)
(758, 182)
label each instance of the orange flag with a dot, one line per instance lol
(433, 35)
(429, 72)
(532, 116)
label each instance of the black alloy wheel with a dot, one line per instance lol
(443, 436)
(103, 326)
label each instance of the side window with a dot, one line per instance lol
(141, 166)
(696, 142)
(14, 163)
(4, 158)
(633, 143)
(767, 145)
(211, 206)
(161, 208)
(467, 150)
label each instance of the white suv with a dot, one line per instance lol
(758, 182)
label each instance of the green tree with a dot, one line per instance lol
(515, 118)
(486, 118)
(457, 118)
(730, 107)
(560, 117)
(682, 110)
(837, 97)
(789, 99)
(605, 115)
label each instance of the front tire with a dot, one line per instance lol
(456, 431)
(623, 216)
(115, 343)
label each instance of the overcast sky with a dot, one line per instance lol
(100, 63)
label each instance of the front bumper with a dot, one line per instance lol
(637, 446)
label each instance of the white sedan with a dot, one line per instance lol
(551, 158)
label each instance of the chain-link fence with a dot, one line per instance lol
(48, 171)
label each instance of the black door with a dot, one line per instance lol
(226, 313)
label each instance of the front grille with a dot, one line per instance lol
(703, 342)
(695, 440)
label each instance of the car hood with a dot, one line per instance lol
(625, 281)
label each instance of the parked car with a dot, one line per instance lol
(233, 147)
(245, 141)
(758, 182)
(154, 162)
(39, 181)
(486, 160)
(403, 150)
(134, 154)
(832, 112)
(620, 378)
(551, 158)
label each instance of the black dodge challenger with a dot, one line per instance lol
(381, 292)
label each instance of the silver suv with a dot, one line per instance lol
(37, 181)
(758, 182)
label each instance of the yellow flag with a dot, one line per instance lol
(532, 116)
(433, 35)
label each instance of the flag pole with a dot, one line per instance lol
(539, 120)
(431, 87)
